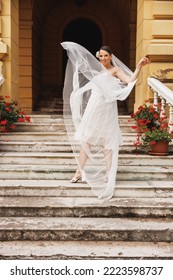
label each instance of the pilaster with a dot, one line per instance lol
(155, 40)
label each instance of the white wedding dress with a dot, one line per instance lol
(90, 113)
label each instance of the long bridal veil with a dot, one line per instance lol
(90, 113)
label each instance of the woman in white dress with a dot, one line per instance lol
(91, 90)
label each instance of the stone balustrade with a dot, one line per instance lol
(164, 96)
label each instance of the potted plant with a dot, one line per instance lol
(152, 129)
(10, 114)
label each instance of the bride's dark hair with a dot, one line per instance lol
(107, 49)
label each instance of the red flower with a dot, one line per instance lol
(156, 116)
(151, 110)
(21, 120)
(13, 126)
(137, 143)
(152, 142)
(27, 118)
(3, 122)
(137, 112)
(134, 126)
(8, 109)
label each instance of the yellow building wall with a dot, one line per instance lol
(155, 40)
(10, 37)
(25, 55)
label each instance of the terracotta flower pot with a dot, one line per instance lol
(160, 148)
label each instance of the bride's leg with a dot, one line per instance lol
(81, 164)
(82, 159)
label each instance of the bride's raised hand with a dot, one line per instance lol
(142, 62)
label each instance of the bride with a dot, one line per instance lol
(91, 89)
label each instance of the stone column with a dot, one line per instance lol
(154, 39)
(25, 56)
(10, 46)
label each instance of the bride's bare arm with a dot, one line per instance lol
(124, 78)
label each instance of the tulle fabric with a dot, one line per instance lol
(91, 117)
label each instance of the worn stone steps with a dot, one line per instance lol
(32, 146)
(63, 188)
(48, 136)
(84, 206)
(100, 229)
(59, 158)
(16, 136)
(43, 215)
(54, 110)
(61, 172)
(64, 147)
(76, 250)
(58, 118)
(43, 126)
(60, 146)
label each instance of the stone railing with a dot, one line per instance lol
(164, 95)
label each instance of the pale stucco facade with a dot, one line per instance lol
(32, 59)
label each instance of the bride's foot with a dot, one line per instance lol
(76, 177)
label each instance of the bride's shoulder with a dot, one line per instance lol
(114, 71)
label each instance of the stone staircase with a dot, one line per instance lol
(44, 216)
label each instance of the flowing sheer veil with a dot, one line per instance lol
(90, 113)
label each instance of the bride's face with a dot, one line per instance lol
(105, 58)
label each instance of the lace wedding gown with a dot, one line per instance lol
(90, 113)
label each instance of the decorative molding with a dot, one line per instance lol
(164, 75)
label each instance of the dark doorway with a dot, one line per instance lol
(84, 32)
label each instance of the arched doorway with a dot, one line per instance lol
(84, 32)
(92, 24)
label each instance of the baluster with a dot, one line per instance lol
(163, 106)
(170, 117)
(156, 103)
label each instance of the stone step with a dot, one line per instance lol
(63, 188)
(39, 146)
(37, 206)
(68, 159)
(15, 136)
(58, 118)
(54, 110)
(63, 147)
(48, 136)
(88, 229)
(50, 127)
(54, 147)
(65, 172)
(45, 126)
(80, 250)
